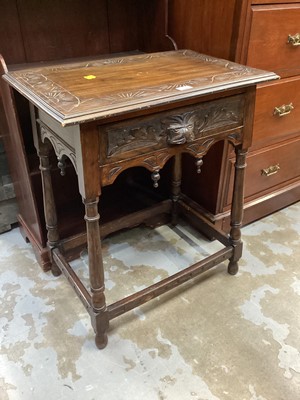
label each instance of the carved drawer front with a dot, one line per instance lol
(269, 169)
(167, 130)
(275, 38)
(277, 111)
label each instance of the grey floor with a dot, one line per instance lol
(217, 337)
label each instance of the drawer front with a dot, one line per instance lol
(277, 111)
(275, 38)
(167, 130)
(151, 141)
(269, 169)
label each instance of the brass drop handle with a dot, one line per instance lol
(283, 110)
(272, 170)
(294, 40)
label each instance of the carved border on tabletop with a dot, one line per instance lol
(66, 102)
(129, 59)
(60, 146)
(56, 95)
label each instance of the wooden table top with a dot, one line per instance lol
(83, 91)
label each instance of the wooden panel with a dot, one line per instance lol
(285, 156)
(11, 44)
(204, 188)
(123, 25)
(3, 122)
(268, 127)
(19, 165)
(152, 16)
(63, 29)
(268, 47)
(205, 26)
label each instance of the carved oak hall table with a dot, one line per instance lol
(109, 115)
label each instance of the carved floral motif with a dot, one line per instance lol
(156, 162)
(134, 137)
(200, 149)
(153, 162)
(113, 172)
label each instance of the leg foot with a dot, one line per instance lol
(101, 341)
(100, 324)
(233, 267)
(55, 270)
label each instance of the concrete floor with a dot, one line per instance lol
(219, 337)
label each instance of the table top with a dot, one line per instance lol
(75, 92)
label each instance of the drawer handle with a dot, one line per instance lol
(294, 40)
(283, 110)
(180, 128)
(272, 170)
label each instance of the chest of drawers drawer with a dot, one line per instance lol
(274, 42)
(277, 112)
(269, 169)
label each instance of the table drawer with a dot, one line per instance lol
(275, 38)
(151, 141)
(277, 111)
(165, 130)
(269, 169)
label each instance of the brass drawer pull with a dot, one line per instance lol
(272, 170)
(283, 110)
(294, 40)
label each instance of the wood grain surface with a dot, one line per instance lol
(78, 92)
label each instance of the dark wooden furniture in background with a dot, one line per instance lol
(231, 29)
(262, 34)
(35, 31)
(107, 116)
(8, 202)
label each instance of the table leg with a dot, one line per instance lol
(237, 210)
(99, 317)
(176, 186)
(49, 202)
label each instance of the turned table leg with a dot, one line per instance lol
(237, 210)
(100, 316)
(176, 186)
(49, 202)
